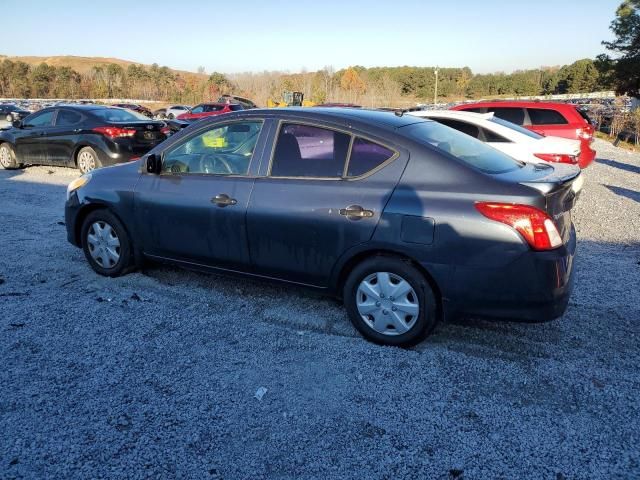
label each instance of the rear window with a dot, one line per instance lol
(583, 114)
(465, 148)
(545, 116)
(117, 115)
(212, 108)
(366, 156)
(463, 127)
(513, 114)
(517, 128)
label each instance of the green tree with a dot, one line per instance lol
(623, 69)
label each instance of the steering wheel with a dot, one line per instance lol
(209, 164)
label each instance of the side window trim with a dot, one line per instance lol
(205, 128)
(344, 177)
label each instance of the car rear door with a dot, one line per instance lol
(194, 210)
(307, 209)
(63, 136)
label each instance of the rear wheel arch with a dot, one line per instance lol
(360, 257)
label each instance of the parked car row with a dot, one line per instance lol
(405, 219)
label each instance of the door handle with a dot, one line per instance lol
(356, 212)
(223, 200)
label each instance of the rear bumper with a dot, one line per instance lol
(535, 287)
(112, 153)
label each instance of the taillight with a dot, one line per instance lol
(535, 226)
(115, 132)
(166, 130)
(557, 158)
(585, 133)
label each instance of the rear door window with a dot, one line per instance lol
(366, 156)
(511, 114)
(545, 116)
(309, 151)
(66, 118)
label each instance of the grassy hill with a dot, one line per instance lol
(84, 64)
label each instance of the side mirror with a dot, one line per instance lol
(17, 123)
(154, 164)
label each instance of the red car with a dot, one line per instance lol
(209, 109)
(546, 118)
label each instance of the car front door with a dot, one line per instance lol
(195, 209)
(30, 140)
(307, 209)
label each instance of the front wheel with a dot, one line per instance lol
(87, 160)
(8, 157)
(390, 302)
(106, 244)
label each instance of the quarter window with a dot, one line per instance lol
(544, 116)
(366, 156)
(222, 150)
(307, 151)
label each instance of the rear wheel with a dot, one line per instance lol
(390, 302)
(171, 116)
(8, 157)
(106, 244)
(87, 160)
(9, 118)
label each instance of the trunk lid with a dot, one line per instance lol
(558, 146)
(147, 133)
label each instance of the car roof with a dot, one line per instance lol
(340, 114)
(517, 103)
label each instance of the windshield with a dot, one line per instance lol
(468, 149)
(118, 115)
(515, 127)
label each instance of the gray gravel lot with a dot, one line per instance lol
(153, 375)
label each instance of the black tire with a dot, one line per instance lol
(420, 327)
(83, 163)
(125, 261)
(8, 159)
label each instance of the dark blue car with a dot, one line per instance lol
(407, 220)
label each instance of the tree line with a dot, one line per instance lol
(356, 84)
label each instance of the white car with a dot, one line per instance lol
(175, 110)
(512, 139)
(509, 138)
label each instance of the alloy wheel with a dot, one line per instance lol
(104, 244)
(86, 161)
(5, 156)
(387, 303)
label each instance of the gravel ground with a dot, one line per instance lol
(155, 375)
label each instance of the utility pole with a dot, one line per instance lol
(435, 90)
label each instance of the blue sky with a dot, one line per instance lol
(251, 35)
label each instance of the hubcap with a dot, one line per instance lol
(86, 162)
(104, 244)
(5, 157)
(387, 303)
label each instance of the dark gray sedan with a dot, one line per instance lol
(407, 220)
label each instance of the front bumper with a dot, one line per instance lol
(535, 287)
(71, 209)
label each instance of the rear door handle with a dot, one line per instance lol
(223, 200)
(356, 212)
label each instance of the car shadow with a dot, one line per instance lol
(625, 192)
(622, 166)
